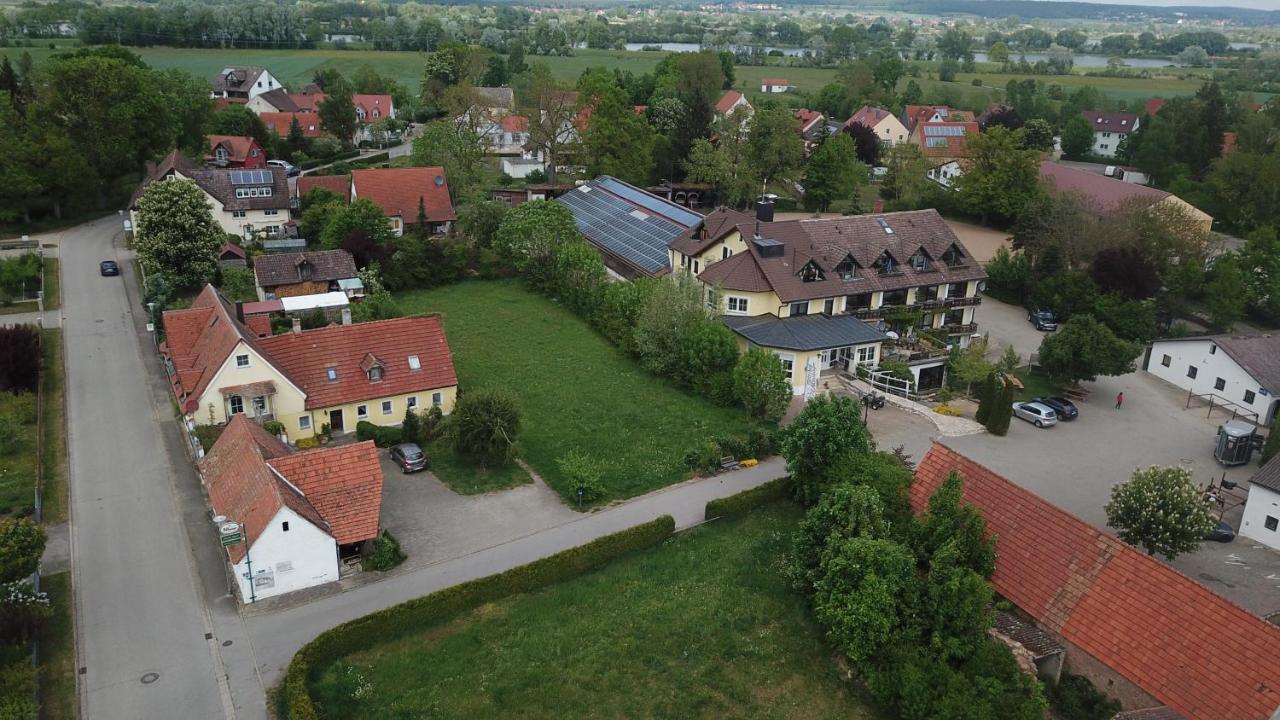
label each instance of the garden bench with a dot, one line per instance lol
(727, 463)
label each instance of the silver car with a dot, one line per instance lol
(1037, 414)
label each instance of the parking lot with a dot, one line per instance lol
(433, 523)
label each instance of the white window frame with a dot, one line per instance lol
(237, 213)
(304, 422)
(412, 402)
(437, 399)
(866, 354)
(271, 211)
(737, 305)
(232, 402)
(242, 360)
(388, 407)
(788, 361)
(362, 412)
(415, 363)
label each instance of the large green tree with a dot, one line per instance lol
(239, 121)
(834, 174)
(361, 216)
(774, 149)
(827, 429)
(865, 595)
(459, 149)
(1083, 349)
(760, 384)
(338, 114)
(1077, 137)
(1003, 177)
(619, 142)
(176, 233)
(1160, 510)
(531, 235)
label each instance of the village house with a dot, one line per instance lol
(273, 101)
(282, 123)
(371, 110)
(888, 128)
(248, 203)
(311, 381)
(945, 147)
(496, 100)
(817, 281)
(1105, 195)
(1109, 128)
(813, 128)
(243, 83)
(231, 255)
(774, 85)
(281, 275)
(913, 115)
(1241, 372)
(732, 101)
(1261, 520)
(234, 151)
(290, 520)
(400, 192)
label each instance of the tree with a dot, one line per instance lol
(1038, 135)
(459, 149)
(669, 314)
(774, 147)
(360, 216)
(834, 174)
(1194, 56)
(1227, 293)
(1126, 271)
(998, 53)
(969, 365)
(619, 142)
(338, 114)
(1003, 178)
(1260, 260)
(1077, 137)
(760, 385)
(177, 234)
(1160, 510)
(866, 141)
(296, 141)
(237, 284)
(411, 430)
(955, 44)
(484, 425)
(912, 94)
(552, 111)
(888, 68)
(827, 429)
(21, 545)
(988, 395)
(865, 595)
(1001, 408)
(1270, 448)
(531, 235)
(1083, 349)
(905, 182)
(847, 510)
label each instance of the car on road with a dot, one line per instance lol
(1043, 319)
(1222, 532)
(108, 268)
(1065, 409)
(290, 170)
(1036, 413)
(409, 457)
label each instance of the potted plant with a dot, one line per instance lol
(326, 432)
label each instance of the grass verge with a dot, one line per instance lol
(58, 699)
(576, 391)
(465, 478)
(53, 422)
(18, 464)
(705, 625)
(52, 284)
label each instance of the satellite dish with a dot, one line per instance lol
(219, 519)
(439, 180)
(891, 335)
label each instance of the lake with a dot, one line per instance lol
(1085, 60)
(695, 47)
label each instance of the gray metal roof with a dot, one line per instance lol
(1269, 476)
(627, 223)
(804, 333)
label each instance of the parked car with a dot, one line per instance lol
(409, 457)
(1222, 532)
(108, 268)
(1065, 409)
(1043, 319)
(1036, 413)
(290, 170)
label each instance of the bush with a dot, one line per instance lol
(1075, 698)
(732, 445)
(381, 436)
(762, 443)
(703, 457)
(484, 425)
(583, 473)
(1007, 277)
(431, 610)
(385, 552)
(19, 358)
(760, 385)
(275, 427)
(308, 443)
(21, 545)
(772, 491)
(432, 422)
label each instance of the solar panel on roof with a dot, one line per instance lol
(944, 130)
(619, 229)
(250, 177)
(649, 201)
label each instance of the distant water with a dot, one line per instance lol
(695, 47)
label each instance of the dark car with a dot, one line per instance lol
(1065, 408)
(1043, 319)
(108, 267)
(1222, 532)
(409, 457)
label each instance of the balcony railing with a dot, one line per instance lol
(960, 328)
(964, 301)
(927, 306)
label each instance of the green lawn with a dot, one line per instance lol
(58, 699)
(704, 626)
(575, 389)
(53, 412)
(18, 465)
(1036, 384)
(465, 478)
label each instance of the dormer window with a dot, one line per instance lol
(220, 154)
(920, 261)
(953, 257)
(375, 374)
(886, 264)
(372, 367)
(304, 270)
(811, 272)
(848, 269)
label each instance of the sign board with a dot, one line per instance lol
(234, 538)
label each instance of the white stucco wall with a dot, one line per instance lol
(1211, 363)
(1261, 504)
(286, 405)
(283, 562)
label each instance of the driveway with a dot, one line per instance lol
(981, 241)
(1006, 325)
(433, 523)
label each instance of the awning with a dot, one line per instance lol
(351, 284)
(262, 388)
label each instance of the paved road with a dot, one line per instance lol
(138, 610)
(277, 635)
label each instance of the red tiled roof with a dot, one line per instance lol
(698, 238)
(1119, 122)
(1228, 143)
(515, 123)
(1153, 105)
(224, 103)
(237, 147)
(956, 147)
(308, 102)
(231, 249)
(343, 484)
(1103, 193)
(868, 115)
(307, 356)
(1188, 647)
(281, 121)
(773, 81)
(807, 118)
(375, 107)
(242, 487)
(339, 185)
(740, 271)
(727, 100)
(397, 190)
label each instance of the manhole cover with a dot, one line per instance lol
(226, 643)
(150, 678)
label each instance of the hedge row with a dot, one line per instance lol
(382, 435)
(748, 499)
(317, 162)
(430, 610)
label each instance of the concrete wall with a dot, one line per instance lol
(1211, 363)
(1262, 503)
(1107, 680)
(283, 562)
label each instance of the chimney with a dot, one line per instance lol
(877, 207)
(297, 326)
(764, 208)
(346, 316)
(240, 312)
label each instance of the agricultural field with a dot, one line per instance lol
(705, 625)
(576, 391)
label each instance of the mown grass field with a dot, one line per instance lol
(576, 391)
(17, 453)
(464, 478)
(704, 626)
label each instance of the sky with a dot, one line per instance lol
(1255, 4)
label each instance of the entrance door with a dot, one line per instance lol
(335, 421)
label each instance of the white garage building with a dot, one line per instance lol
(1261, 519)
(1241, 372)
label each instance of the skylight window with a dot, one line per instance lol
(331, 373)
(414, 363)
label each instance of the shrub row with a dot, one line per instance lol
(430, 610)
(705, 457)
(380, 435)
(740, 503)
